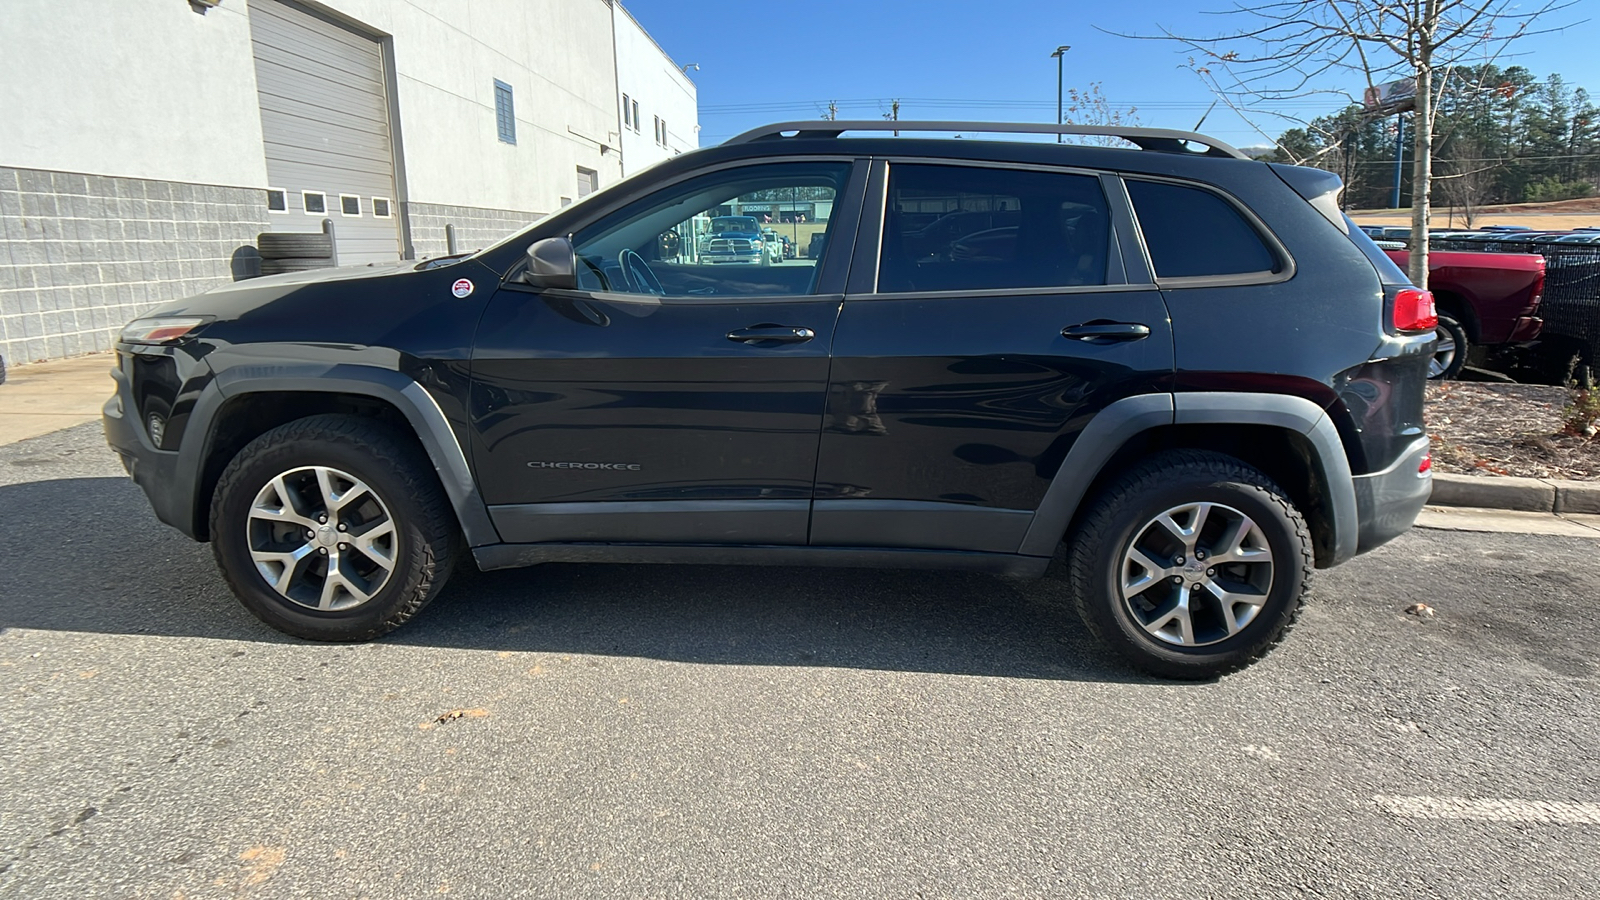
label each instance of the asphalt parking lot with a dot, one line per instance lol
(705, 732)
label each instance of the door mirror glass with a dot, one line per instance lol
(551, 264)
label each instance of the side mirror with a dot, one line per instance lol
(552, 264)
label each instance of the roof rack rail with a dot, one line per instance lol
(1160, 140)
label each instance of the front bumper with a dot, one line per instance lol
(1387, 502)
(154, 471)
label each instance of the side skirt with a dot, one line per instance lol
(511, 556)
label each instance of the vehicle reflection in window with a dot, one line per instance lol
(752, 231)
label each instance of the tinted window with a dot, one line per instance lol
(1193, 232)
(952, 228)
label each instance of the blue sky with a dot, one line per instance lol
(765, 62)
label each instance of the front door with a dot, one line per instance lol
(999, 320)
(678, 396)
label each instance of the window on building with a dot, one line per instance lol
(1192, 232)
(349, 205)
(636, 122)
(380, 208)
(663, 132)
(957, 228)
(627, 112)
(315, 202)
(277, 200)
(588, 182)
(505, 116)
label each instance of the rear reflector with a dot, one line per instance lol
(1414, 310)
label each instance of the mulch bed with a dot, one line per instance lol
(1506, 429)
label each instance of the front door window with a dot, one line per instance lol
(721, 235)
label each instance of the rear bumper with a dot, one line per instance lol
(1525, 329)
(1387, 502)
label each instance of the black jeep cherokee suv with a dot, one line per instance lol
(1184, 364)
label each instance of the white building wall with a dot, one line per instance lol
(139, 88)
(645, 73)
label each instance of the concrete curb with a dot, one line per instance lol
(1546, 495)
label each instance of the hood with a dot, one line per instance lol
(230, 301)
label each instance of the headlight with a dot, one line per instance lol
(160, 331)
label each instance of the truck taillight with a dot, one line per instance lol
(1414, 310)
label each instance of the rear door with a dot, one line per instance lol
(999, 318)
(674, 398)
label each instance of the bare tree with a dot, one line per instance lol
(1090, 107)
(1466, 179)
(1292, 49)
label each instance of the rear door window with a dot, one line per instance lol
(965, 228)
(1193, 233)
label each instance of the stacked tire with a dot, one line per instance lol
(282, 253)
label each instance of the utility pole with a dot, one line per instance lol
(1399, 155)
(1061, 52)
(893, 114)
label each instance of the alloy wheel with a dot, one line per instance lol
(1196, 574)
(321, 538)
(1444, 353)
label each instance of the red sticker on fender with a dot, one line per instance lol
(462, 288)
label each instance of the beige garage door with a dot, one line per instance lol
(325, 118)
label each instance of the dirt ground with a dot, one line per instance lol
(1506, 429)
(1557, 215)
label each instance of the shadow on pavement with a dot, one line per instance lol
(87, 554)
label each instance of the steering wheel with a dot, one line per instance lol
(636, 272)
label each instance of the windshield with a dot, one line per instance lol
(734, 225)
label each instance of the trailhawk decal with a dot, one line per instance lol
(617, 467)
(462, 288)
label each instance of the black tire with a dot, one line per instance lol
(425, 543)
(294, 246)
(1451, 356)
(1120, 513)
(281, 266)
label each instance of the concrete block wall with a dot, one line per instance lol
(476, 228)
(81, 255)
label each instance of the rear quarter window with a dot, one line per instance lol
(1193, 233)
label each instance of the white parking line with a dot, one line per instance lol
(1542, 812)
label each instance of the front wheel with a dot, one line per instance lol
(1190, 565)
(332, 528)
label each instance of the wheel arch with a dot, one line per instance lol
(1459, 307)
(241, 406)
(1290, 439)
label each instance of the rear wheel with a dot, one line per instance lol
(332, 528)
(1190, 565)
(1450, 351)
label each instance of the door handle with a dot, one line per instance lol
(778, 334)
(1106, 331)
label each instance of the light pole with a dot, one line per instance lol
(1060, 52)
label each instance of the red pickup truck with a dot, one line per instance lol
(1486, 302)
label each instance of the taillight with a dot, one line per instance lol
(1414, 310)
(1426, 465)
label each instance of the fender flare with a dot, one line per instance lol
(421, 411)
(1113, 427)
